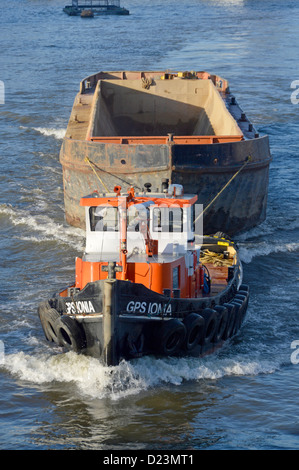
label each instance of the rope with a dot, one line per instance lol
(224, 187)
(111, 174)
(217, 259)
(146, 82)
(86, 159)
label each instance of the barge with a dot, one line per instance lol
(141, 127)
(95, 8)
(149, 282)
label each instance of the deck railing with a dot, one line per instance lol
(175, 139)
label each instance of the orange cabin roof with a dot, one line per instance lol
(93, 200)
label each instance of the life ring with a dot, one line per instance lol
(222, 323)
(70, 333)
(48, 317)
(231, 323)
(211, 321)
(195, 326)
(169, 336)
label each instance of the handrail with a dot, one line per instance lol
(160, 140)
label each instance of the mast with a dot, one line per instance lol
(123, 206)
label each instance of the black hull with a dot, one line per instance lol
(135, 321)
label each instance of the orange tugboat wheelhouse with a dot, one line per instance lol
(149, 282)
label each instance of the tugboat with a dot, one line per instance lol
(148, 283)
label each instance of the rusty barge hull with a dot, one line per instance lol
(133, 128)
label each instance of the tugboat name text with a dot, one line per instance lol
(150, 308)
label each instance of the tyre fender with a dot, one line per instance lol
(222, 323)
(70, 333)
(169, 336)
(238, 304)
(242, 295)
(231, 323)
(243, 309)
(244, 287)
(211, 321)
(195, 327)
(48, 317)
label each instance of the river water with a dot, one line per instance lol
(246, 395)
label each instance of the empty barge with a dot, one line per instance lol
(139, 128)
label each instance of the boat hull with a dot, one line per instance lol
(130, 128)
(202, 169)
(101, 11)
(114, 320)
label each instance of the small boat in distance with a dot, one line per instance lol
(147, 282)
(96, 7)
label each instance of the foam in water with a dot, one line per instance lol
(45, 228)
(251, 250)
(57, 133)
(47, 131)
(93, 380)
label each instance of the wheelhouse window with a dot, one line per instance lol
(176, 277)
(168, 219)
(193, 218)
(103, 219)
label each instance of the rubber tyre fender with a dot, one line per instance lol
(195, 327)
(211, 321)
(48, 317)
(42, 313)
(245, 295)
(243, 292)
(240, 298)
(238, 321)
(232, 315)
(170, 336)
(222, 323)
(244, 287)
(70, 334)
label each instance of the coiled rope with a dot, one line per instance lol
(217, 259)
